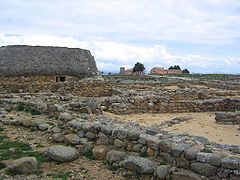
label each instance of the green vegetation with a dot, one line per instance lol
(51, 117)
(18, 145)
(138, 68)
(1, 138)
(63, 176)
(2, 165)
(41, 157)
(20, 107)
(143, 154)
(175, 67)
(9, 110)
(38, 145)
(20, 150)
(50, 123)
(162, 164)
(34, 112)
(185, 71)
(89, 154)
(13, 173)
(1, 129)
(112, 167)
(207, 151)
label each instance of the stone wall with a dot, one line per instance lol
(35, 79)
(48, 84)
(121, 106)
(159, 154)
(228, 117)
(158, 104)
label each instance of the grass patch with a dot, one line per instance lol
(38, 145)
(63, 176)
(37, 172)
(9, 110)
(207, 151)
(1, 138)
(41, 157)
(15, 144)
(20, 107)
(2, 165)
(88, 154)
(162, 164)
(50, 117)
(35, 112)
(1, 129)
(50, 123)
(143, 154)
(11, 172)
(112, 167)
(21, 150)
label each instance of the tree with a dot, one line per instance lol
(138, 68)
(185, 71)
(175, 67)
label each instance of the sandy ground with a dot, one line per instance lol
(203, 124)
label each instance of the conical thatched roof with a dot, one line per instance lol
(21, 60)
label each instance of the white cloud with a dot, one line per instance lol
(111, 55)
(207, 22)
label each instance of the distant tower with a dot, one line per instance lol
(122, 70)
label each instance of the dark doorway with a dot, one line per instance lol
(60, 79)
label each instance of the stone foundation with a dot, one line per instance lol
(159, 154)
(228, 117)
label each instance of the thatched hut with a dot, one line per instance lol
(45, 63)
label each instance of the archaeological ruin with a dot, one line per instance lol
(114, 126)
(19, 63)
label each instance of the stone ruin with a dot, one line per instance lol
(42, 64)
(150, 151)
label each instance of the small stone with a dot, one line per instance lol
(134, 134)
(179, 149)
(204, 169)
(162, 171)
(64, 116)
(138, 164)
(137, 147)
(90, 135)
(150, 152)
(27, 123)
(185, 175)
(80, 133)
(23, 165)
(43, 126)
(165, 146)
(58, 137)
(102, 139)
(192, 152)
(74, 139)
(115, 156)
(62, 153)
(231, 162)
(120, 133)
(118, 143)
(99, 152)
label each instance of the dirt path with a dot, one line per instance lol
(203, 124)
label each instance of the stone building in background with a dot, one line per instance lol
(161, 70)
(125, 71)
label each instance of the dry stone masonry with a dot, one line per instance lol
(150, 151)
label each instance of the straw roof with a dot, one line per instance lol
(21, 60)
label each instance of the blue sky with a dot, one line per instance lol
(201, 35)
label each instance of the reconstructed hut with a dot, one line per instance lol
(41, 63)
